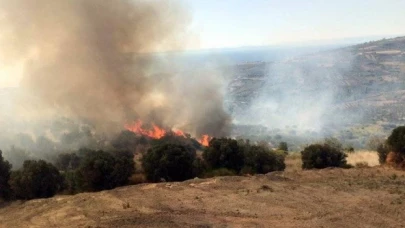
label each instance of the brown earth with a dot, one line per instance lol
(367, 197)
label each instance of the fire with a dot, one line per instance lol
(205, 140)
(156, 132)
(179, 132)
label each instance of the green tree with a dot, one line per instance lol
(224, 153)
(5, 167)
(318, 156)
(170, 161)
(259, 159)
(100, 170)
(396, 141)
(36, 179)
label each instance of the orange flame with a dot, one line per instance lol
(205, 140)
(157, 132)
(178, 132)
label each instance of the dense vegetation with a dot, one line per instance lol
(396, 144)
(36, 179)
(169, 162)
(229, 156)
(97, 170)
(171, 158)
(319, 156)
(5, 171)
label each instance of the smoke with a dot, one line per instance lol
(91, 60)
(299, 95)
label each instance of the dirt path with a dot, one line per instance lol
(370, 197)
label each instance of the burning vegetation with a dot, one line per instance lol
(156, 132)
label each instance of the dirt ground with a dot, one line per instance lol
(358, 197)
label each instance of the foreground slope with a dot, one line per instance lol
(370, 197)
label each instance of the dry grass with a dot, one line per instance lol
(293, 162)
(335, 198)
(362, 157)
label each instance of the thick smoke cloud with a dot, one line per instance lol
(89, 60)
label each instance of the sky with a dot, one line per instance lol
(236, 23)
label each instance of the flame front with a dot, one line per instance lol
(156, 132)
(179, 133)
(205, 140)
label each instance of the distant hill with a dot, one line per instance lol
(326, 91)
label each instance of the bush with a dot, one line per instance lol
(169, 161)
(396, 144)
(318, 156)
(5, 167)
(100, 170)
(171, 138)
(396, 141)
(259, 159)
(72, 182)
(224, 153)
(36, 179)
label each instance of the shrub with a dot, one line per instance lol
(169, 161)
(171, 138)
(36, 179)
(224, 153)
(318, 156)
(259, 159)
(100, 170)
(199, 167)
(5, 167)
(396, 141)
(72, 182)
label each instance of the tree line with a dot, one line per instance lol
(171, 158)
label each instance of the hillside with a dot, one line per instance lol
(330, 92)
(370, 197)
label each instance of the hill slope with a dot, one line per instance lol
(328, 92)
(372, 197)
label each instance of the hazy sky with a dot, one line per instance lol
(233, 23)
